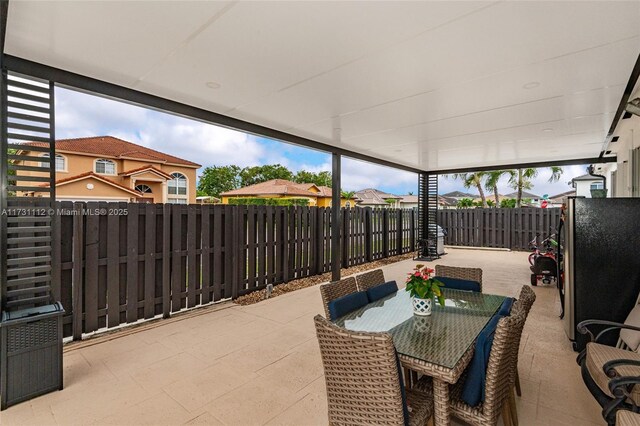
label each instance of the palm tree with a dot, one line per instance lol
(491, 183)
(520, 179)
(475, 180)
(347, 194)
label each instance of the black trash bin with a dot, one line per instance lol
(30, 352)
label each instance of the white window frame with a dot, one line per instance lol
(115, 167)
(57, 157)
(177, 198)
(596, 185)
(150, 191)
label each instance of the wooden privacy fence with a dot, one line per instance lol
(495, 227)
(122, 262)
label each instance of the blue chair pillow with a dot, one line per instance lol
(458, 284)
(474, 385)
(505, 308)
(382, 290)
(345, 304)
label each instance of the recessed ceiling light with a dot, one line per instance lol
(212, 85)
(547, 130)
(398, 150)
(531, 85)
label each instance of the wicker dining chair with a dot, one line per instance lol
(333, 290)
(471, 274)
(499, 378)
(363, 379)
(370, 279)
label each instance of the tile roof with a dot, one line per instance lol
(280, 187)
(372, 196)
(586, 177)
(94, 176)
(525, 194)
(148, 167)
(113, 147)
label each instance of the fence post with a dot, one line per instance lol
(368, 234)
(399, 231)
(385, 233)
(166, 260)
(346, 237)
(412, 230)
(318, 248)
(78, 246)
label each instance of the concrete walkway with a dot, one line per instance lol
(260, 364)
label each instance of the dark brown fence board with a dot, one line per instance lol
(206, 244)
(192, 275)
(91, 269)
(78, 281)
(149, 260)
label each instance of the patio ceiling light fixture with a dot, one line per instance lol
(531, 85)
(212, 85)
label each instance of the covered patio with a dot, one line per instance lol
(260, 364)
(428, 88)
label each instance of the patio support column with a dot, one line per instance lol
(335, 216)
(428, 214)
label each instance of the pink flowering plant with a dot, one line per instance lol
(422, 285)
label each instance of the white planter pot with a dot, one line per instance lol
(421, 307)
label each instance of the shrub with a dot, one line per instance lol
(258, 201)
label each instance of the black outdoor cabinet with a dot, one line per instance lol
(30, 353)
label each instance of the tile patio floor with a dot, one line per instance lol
(260, 364)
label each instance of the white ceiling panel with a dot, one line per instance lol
(432, 85)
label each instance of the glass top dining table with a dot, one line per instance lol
(442, 338)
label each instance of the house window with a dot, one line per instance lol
(105, 167)
(597, 185)
(177, 200)
(177, 185)
(60, 162)
(347, 204)
(145, 189)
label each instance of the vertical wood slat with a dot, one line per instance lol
(78, 233)
(166, 260)
(91, 241)
(206, 277)
(261, 247)
(176, 257)
(113, 270)
(218, 254)
(251, 246)
(149, 260)
(132, 263)
(192, 274)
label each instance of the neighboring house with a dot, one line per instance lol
(207, 199)
(409, 202)
(374, 198)
(585, 183)
(558, 199)
(458, 195)
(105, 168)
(535, 199)
(445, 202)
(318, 196)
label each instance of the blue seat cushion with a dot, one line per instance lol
(474, 385)
(382, 290)
(505, 308)
(345, 304)
(458, 284)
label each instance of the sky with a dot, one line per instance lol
(82, 115)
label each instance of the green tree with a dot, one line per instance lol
(259, 174)
(508, 203)
(520, 179)
(491, 183)
(218, 179)
(464, 203)
(347, 194)
(475, 180)
(321, 178)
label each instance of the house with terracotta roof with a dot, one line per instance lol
(371, 197)
(317, 195)
(106, 168)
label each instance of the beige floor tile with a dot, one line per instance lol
(205, 418)
(310, 410)
(157, 410)
(198, 390)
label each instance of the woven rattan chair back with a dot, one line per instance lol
(500, 370)
(525, 300)
(336, 289)
(370, 279)
(471, 274)
(361, 374)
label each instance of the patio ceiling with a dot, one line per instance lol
(430, 85)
